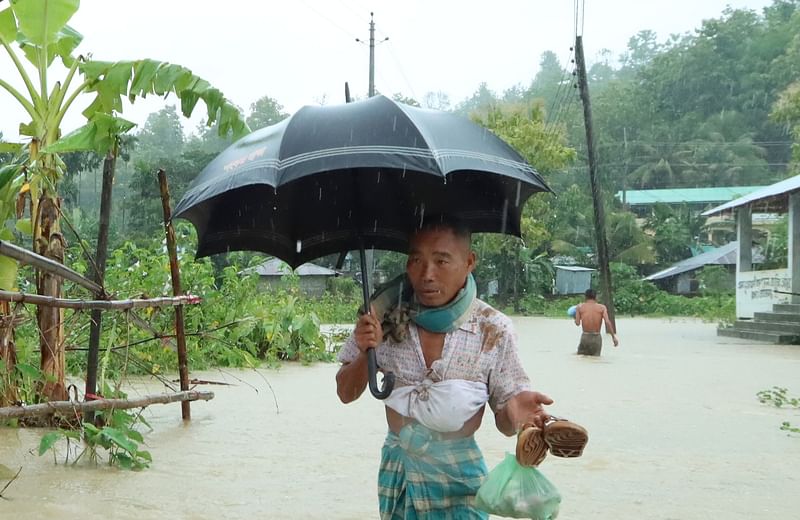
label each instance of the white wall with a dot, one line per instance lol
(754, 291)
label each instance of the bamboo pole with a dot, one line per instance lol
(180, 333)
(70, 407)
(42, 263)
(49, 301)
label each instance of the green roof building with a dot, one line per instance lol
(698, 196)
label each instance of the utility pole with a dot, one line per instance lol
(370, 253)
(371, 91)
(599, 216)
(371, 56)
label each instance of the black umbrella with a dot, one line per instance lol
(355, 176)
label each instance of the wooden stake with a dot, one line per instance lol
(70, 407)
(183, 364)
(99, 268)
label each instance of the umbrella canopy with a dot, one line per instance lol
(333, 178)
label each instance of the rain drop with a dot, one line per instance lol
(421, 214)
(272, 224)
(320, 193)
(375, 226)
(299, 246)
(404, 171)
(394, 124)
(519, 186)
(338, 224)
(379, 177)
(505, 216)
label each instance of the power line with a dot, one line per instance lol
(402, 72)
(356, 12)
(326, 18)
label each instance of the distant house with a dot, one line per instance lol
(313, 278)
(681, 278)
(572, 279)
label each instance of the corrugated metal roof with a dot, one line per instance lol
(573, 268)
(724, 255)
(764, 195)
(277, 267)
(690, 195)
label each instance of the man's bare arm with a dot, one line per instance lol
(352, 378)
(610, 327)
(578, 316)
(607, 321)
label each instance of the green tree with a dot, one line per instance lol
(400, 97)
(162, 136)
(436, 100)
(265, 111)
(627, 242)
(672, 238)
(504, 258)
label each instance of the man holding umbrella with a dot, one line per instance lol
(451, 354)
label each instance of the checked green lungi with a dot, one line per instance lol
(424, 477)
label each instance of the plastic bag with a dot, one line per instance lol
(518, 491)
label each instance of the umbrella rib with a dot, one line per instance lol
(426, 140)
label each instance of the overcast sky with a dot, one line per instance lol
(302, 51)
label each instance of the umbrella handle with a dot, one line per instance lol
(388, 377)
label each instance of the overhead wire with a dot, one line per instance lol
(565, 96)
(401, 70)
(326, 18)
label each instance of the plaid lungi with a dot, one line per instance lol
(425, 477)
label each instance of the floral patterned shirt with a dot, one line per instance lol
(483, 349)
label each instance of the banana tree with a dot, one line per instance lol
(37, 31)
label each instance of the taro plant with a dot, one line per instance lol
(114, 432)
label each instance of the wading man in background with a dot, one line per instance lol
(451, 354)
(591, 315)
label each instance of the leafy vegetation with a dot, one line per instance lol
(777, 396)
(113, 431)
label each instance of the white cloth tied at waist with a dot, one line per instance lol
(442, 406)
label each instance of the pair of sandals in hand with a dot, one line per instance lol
(560, 437)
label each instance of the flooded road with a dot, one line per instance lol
(675, 433)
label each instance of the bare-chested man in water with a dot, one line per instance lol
(591, 315)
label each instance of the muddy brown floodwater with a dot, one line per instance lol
(675, 433)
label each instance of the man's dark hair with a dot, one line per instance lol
(590, 294)
(446, 221)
